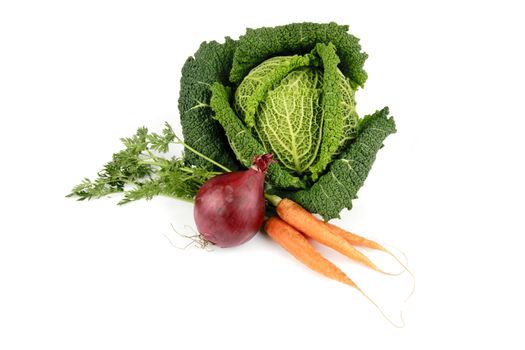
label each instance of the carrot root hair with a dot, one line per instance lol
(401, 325)
(404, 265)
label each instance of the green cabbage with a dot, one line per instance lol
(289, 91)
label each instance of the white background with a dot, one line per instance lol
(447, 189)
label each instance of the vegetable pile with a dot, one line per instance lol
(268, 121)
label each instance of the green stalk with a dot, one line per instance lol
(273, 199)
(202, 155)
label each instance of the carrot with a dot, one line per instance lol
(302, 220)
(357, 240)
(297, 245)
(354, 239)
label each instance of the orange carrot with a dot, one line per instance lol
(302, 220)
(297, 245)
(354, 239)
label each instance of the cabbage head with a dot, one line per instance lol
(289, 91)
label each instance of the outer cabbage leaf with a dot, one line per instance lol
(332, 119)
(260, 44)
(336, 189)
(243, 143)
(211, 63)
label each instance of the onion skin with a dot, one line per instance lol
(229, 208)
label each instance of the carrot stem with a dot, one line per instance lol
(273, 199)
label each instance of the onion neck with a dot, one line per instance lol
(261, 162)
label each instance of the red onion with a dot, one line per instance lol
(229, 208)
